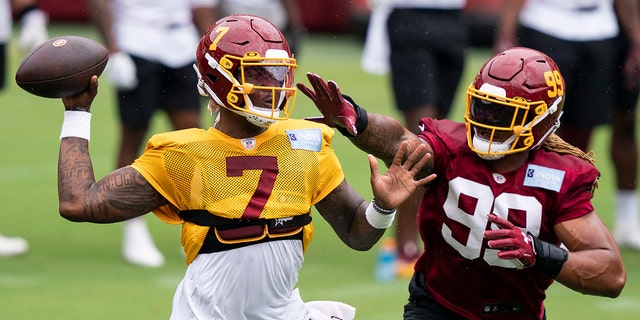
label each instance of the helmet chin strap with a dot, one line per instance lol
(486, 146)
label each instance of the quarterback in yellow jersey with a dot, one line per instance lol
(279, 173)
(243, 189)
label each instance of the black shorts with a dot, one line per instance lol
(422, 305)
(427, 51)
(159, 87)
(588, 68)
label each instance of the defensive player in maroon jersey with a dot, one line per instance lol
(510, 210)
(242, 189)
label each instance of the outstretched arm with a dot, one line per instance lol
(360, 224)
(122, 194)
(376, 134)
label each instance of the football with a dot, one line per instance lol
(61, 67)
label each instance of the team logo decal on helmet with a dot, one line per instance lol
(514, 103)
(244, 55)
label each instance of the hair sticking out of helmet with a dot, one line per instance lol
(244, 64)
(514, 103)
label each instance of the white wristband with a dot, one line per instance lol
(76, 124)
(378, 219)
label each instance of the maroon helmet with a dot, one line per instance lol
(241, 55)
(517, 95)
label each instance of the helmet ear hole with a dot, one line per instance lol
(212, 78)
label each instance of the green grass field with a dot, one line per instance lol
(75, 271)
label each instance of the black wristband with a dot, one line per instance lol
(24, 11)
(76, 109)
(549, 257)
(362, 118)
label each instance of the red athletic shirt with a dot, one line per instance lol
(462, 273)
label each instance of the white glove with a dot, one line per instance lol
(122, 71)
(33, 29)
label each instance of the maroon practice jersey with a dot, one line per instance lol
(462, 272)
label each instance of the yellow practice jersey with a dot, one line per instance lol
(280, 173)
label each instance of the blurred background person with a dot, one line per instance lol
(422, 44)
(33, 31)
(624, 145)
(152, 51)
(284, 14)
(580, 36)
(583, 37)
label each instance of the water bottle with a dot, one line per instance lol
(386, 261)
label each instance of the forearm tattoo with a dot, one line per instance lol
(121, 195)
(75, 171)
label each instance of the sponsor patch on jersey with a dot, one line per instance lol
(543, 177)
(305, 139)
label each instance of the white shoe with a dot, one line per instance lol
(627, 239)
(138, 247)
(12, 246)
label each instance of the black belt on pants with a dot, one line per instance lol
(226, 234)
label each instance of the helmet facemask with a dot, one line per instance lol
(252, 79)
